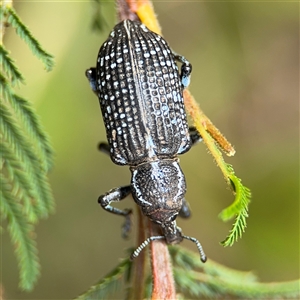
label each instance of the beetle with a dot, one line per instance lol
(140, 91)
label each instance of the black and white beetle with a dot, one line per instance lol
(141, 97)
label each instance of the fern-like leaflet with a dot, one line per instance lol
(238, 209)
(110, 283)
(13, 20)
(26, 156)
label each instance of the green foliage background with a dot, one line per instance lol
(246, 79)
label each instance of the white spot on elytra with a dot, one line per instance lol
(144, 28)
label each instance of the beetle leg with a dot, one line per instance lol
(104, 147)
(185, 211)
(116, 195)
(91, 76)
(195, 135)
(186, 70)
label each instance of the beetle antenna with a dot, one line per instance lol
(200, 249)
(144, 244)
(140, 248)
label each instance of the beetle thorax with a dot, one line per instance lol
(158, 187)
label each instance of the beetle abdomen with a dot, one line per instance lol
(140, 96)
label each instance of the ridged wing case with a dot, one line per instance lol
(140, 96)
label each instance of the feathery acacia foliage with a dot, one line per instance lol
(195, 279)
(8, 67)
(26, 156)
(98, 22)
(214, 281)
(238, 209)
(21, 234)
(23, 32)
(110, 283)
(216, 142)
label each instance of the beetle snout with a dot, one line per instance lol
(172, 233)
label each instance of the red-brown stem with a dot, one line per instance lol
(163, 285)
(126, 10)
(138, 282)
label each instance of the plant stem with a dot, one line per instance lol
(126, 10)
(162, 273)
(138, 282)
(5, 4)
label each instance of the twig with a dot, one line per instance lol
(138, 282)
(162, 273)
(126, 10)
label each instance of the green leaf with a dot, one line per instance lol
(186, 284)
(98, 21)
(31, 125)
(24, 33)
(109, 284)
(204, 285)
(241, 201)
(189, 260)
(238, 209)
(21, 232)
(212, 139)
(9, 68)
(26, 155)
(214, 281)
(19, 144)
(19, 181)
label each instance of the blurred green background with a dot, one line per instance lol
(246, 79)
